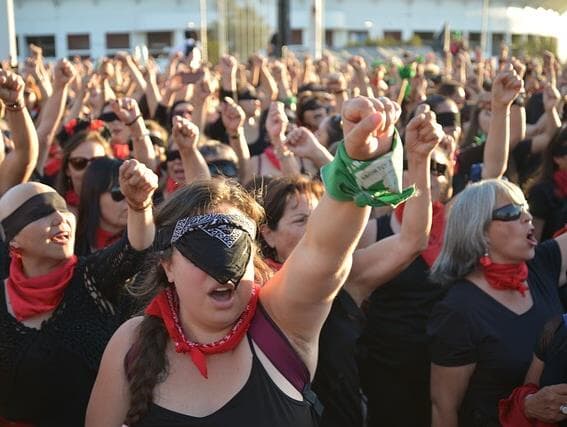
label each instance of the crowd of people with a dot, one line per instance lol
(284, 241)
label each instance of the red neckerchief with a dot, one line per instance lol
(560, 183)
(121, 151)
(435, 242)
(54, 161)
(72, 198)
(7, 423)
(166, 306)
(30, 296)
(505, 276)
(171, 185)
(105, 238)
(274, 265)
(271, 155)
(511, 409)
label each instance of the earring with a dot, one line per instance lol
(485, 260)
(15, 252)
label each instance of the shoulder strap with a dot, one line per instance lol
(275, 345)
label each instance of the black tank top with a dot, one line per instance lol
(260, 403)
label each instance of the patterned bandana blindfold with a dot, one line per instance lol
(219, 244)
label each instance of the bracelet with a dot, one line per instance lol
(139, 116)
(143, 208)
(374, 183)
(15, 106)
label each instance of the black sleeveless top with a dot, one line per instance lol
(260, 403)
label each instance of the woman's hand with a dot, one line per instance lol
(127, 110)
(423, 133)
(137, 183)
(63, 73)
(546, 403)
(185, 134)
(11, 88)
(368, 125)
(277, 121)
(232, 116)
(506, 87)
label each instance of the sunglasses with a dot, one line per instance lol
(80, 163)
(510, 212)
(116, 194)
(172, 155)
(448, 119)
(108, 117)
(437, 169)
(225, 168)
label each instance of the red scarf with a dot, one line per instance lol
(72, 198)
(435, 243)
(171, 185)
(505, 276)
(560, 183)
(30, 296)
(105, 238)
(274, 265)
(121, 151)
(271, 156)
(511, 409)
(166, 306)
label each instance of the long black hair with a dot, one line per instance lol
(100, 177)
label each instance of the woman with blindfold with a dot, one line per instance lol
(214, 347)
(103, 211)
(503, 289)
(57, 311)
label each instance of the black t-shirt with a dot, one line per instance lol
(546, 205)
(395, 332)
(336, 381)
(469, 326)
(554, 354)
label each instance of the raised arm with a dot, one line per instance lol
(380, 262)
(505, 89)
(19, 164)
(233, 120)
(186, 136)
(299, 296)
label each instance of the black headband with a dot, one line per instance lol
(219, 244)
(448, 119)
(36, 207)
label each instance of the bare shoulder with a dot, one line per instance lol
(125, 334)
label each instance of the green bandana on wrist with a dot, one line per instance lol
(374, 183)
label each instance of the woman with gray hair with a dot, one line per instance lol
(503, 289)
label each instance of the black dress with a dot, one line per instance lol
(469, 326)
(393, 354)
(336, 381)
(46, 374)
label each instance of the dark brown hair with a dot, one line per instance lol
(275, 196)
(146, 362)
(545, 171)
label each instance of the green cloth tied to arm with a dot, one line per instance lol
(374, 183)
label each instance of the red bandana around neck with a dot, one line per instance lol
(435, 242)
(171, 185)
(72, 198)
(560, 183)
(274, 265)
(30, 296)
(166, 306)
(505, 276)
(105, 238)
(271, 156)
(121, 151)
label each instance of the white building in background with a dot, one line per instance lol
(101, 27)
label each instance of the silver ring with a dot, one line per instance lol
(563, 409)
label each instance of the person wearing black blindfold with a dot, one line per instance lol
(57, 311)
(209, 331)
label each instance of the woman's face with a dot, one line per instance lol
(86, 151)
(207, 307)
(51, 237)
(511, 241)
(291, 226)
(322, 133)
(175, 167)
(113, 213)
(453, 132)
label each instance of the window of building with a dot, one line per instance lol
(358, 36)
(159, 42)
(497, 40)
(78, 42)
(393, 35)
(329, 42)
(47, 43)
(118, 41)
(474, 39)
(425, 36)
(296, 37)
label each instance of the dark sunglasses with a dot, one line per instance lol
(172, 155)
(510, 212)
(108, 117)
(225, 168)
(116, 194)
(448, 119)
(80, 163)
(437, 169)
(156, 140)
